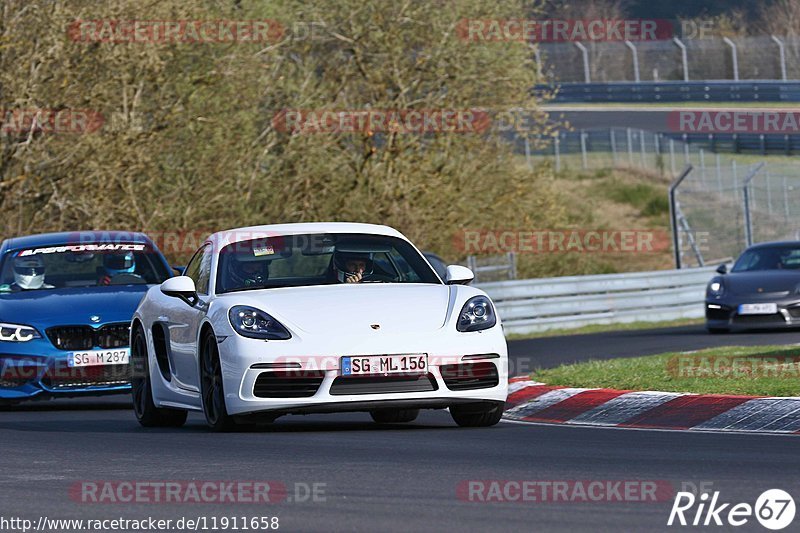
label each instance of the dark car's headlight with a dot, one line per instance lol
(256, 324)
(477, 314)
(18, 333)
(715, 288)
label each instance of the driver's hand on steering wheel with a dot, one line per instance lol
(354, 278)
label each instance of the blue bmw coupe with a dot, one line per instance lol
(66, 302)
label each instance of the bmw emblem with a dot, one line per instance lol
(375, 326)
(94, 318)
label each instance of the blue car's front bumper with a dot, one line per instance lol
(37, 369)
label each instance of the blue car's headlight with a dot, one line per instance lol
(18, 333)
(477, 314)
(256, 324)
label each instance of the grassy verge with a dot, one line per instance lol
(673, 105)
(752, 371)
(602, 328)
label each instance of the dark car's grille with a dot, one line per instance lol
(470, 376)
(61, 376)
(718, 314)
(382, 384)
(759, 319)
(288, 384)
(72, 338)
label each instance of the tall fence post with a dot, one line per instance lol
(537, 54)
(636, 75)
(672, 156)
(785, 199)
(673, 214)
(528, 153)
(557, 152)
(748, 221)
(719, 172)
(613, 138)
(734, 56)
(769, 191)
(587, 71)
(782, 52)
(703, 167)
(684, 58)
(584, 160)
(643, 148)
(630, 146)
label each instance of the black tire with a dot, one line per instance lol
(478, 415)
(147, 413)
(394, 416)
(717, 331)
(212, 392)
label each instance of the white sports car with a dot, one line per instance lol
(316, 318)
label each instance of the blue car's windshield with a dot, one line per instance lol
(769, 258)
(84, 265)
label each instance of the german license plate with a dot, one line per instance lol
(120, 356)
(758, 309)
(384, 364)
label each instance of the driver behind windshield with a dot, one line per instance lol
(352, 267)
(245, 273)
(115, 265)
(29, 274)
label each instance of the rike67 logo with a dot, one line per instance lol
(774, 509)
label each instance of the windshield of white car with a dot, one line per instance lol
(319, 259)
(769, 258)
(85, 265)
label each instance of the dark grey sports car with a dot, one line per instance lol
(762, 290)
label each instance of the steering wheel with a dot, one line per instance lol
(378, 278)
(127, 279)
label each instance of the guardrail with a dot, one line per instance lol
(674, 91)
(529, 306)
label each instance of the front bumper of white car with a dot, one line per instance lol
(305, 375)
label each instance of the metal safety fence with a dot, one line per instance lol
(528, 306)
(772, 57)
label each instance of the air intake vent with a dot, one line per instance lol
(382, 384)
(470, 376)
(288, 383)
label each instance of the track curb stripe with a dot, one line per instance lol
(535, 402)
(574, 406)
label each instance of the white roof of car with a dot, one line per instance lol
(273, 230)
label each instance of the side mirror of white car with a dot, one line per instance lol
(180, 287)
(459, 275)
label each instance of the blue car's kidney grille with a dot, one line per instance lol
(73, 338)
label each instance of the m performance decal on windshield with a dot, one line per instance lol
(85, 248)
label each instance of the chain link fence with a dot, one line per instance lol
(745, 58)
(723, 205)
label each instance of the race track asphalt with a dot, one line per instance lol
(395, 478)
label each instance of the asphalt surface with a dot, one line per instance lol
(396, 478)
(548, 352)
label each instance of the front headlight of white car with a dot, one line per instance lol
(477, 314)
(18, 333)
(256, 324)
